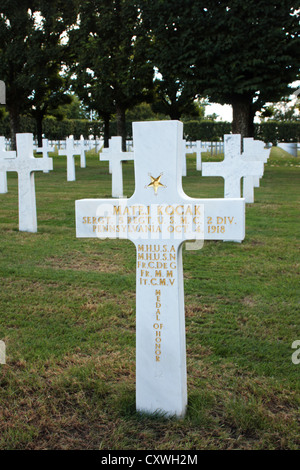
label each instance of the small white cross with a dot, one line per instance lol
(25, 164)
(82, 152)
(3, 175)
(45, 150)
(198, 150)
(115, 156)
(70, 151)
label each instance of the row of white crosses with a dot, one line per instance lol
(71, 150)
(25, 164)
(86, 145)
(158, 218)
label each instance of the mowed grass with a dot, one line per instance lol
(67, 316)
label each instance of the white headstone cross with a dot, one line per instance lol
(45, 150)
(115, 157)
(158, 218)
(82, 153)
(233, 167)
(70, 151)
(199, 151)
(25, 165)
(254, 150)
(3, 175)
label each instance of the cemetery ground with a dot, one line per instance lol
(67, 317)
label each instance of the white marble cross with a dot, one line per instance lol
(199, 151)
(25, 165)
(233, 167)
(114, 155)
(70, 151)
(254, 150)
(82, 153)
(45, 150)
(158, 218)
(3, 175)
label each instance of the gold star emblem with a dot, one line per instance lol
(155, 183)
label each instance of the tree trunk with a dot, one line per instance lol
(251, 121)
(121, 125)
(174, 112)
(242, 122)
(15, 126)
(106, 119)
(175, 116)
(39, 129)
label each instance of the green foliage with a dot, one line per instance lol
(251, 48)
(16, 26)
(282, 112)
(143, 112)
(205, 130)
(244, 54)
(236, 52)
(208, 131)
(109, 58)
(75, 109)
(167, 27)
(270, 131)
(31, 54)
(55, 129)
(274, 132)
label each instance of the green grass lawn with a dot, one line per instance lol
(67, 316)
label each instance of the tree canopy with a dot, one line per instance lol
(109, 58)
(240, 53)
(120, 53)
(31, 55)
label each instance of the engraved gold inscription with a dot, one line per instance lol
(158, 326)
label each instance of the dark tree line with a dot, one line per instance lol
(118, 53)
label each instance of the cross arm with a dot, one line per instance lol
(41, 164)
(33, 164)
(67, 152)
(213, 169)
(7, 160)
(190, 219)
